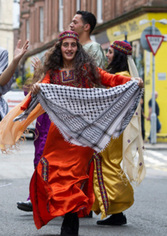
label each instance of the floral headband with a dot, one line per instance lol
(68, 34)
(122, 46)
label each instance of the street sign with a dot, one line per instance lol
(154, 42)
(143, 40)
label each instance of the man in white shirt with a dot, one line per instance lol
(84, 23)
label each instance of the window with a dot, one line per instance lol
(27, 29)
(99, 11)
(60, 15)
(41, 26)
(78, 5)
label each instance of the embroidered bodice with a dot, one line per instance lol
(62, 78)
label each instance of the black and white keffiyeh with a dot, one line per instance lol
(88, 116)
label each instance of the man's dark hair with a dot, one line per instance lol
(88, 18)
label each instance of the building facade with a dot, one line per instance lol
(42, 20)
(6, 26)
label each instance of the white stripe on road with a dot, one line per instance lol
(4, 185)
(154, 161)
(156, 154)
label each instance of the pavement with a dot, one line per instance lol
(147, 216)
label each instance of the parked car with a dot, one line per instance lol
(13, 98)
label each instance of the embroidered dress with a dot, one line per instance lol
(112, 188)
(63, 168)
(62, 181)
(59, 183)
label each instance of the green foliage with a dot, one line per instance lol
(20, 81)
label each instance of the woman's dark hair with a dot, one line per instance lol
(84, 64)
(119, 63)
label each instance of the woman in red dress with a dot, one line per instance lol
(61, 184)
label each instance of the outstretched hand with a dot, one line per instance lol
(20, 51)
(140, 82)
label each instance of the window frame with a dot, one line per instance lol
(41, 24)
(61, 7)
(99, 11)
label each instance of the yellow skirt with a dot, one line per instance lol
(113, 191)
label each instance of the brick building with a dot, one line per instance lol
(42, 20)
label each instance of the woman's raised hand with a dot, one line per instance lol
(36, 62)
(20, 51)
